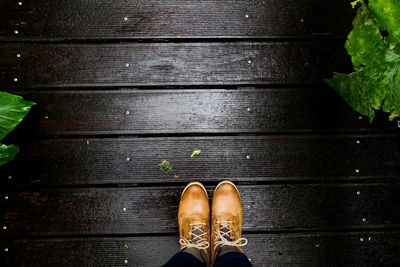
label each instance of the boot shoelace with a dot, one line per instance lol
(197, 240)
(224, 238)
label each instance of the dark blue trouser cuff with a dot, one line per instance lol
(231, 259)
(183, 259)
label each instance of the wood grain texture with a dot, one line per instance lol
(48, 65)
(299, 249)
(94, 161)
(76, 20)
(193, 111)
(49, 212)
(94, 198)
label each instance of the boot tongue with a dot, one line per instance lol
(197, 232)
(225, 229)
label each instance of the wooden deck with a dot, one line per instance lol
(121, 85)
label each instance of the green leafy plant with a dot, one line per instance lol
(373, 45)
(13, 109)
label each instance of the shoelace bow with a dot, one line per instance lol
(223, 237)
(201, 244)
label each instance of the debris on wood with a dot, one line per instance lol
(166, 166)
(195, 153)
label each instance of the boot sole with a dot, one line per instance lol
(227, 182)
(195, 183)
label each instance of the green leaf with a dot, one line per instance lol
(387, 13)
(7, 153)
(195, 153)
(354, 3)
(166, 166)
(13, 109)
(375, 84)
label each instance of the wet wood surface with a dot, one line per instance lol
(194, 111)
(61, 20)
(284, 158)
(122, 85)
(144, 210)
(299, 249)
(163, 64)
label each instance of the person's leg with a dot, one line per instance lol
(232, 259)
(183, 259)
(194, 228)
(226, 222)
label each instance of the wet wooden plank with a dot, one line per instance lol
(162, 64)
(75, 20)
(299, 249)
(138, 251)
(94, 161)
(49, 212)
(193, 111)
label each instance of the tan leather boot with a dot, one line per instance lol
(227, 221)
(194, 221)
